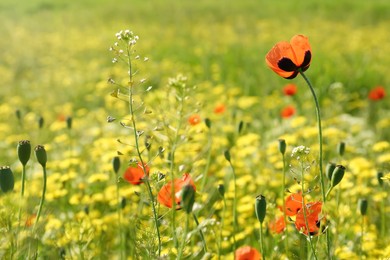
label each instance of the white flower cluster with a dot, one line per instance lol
(298, 151)
(127, 35)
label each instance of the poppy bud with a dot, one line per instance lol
(188, 198)
(341, 148)
(282, 146)
(260, 208)
(6, 179)
(337, 175)
(329, 170)
(116, 164)
(362, 205)
(240, 127)
(40, 154)
(221, 190)
(379, 176)
(18, 114)
(227, 155)
(69, 122)
(123, 202)
(40, 122)
(207, 121)
(24, 151)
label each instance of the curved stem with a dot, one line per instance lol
(200, 232)
(42, 197)
(183, 242)
(220, 230)
(234, 207)
(322, 183)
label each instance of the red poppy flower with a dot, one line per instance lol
(278, 225)
(287, 59)
(287, 112)
(194, 119)
(135, 174)
(313, 210)
(293, 204)
(377, 93)
(247, 253)
(165, 194)
(290, 89)
(219, 109)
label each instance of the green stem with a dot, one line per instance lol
(42, 197)
(234, 207)
(262, 242)
(322, 183)
(361, 239)
(155, 217)
(200, 232)
(383, 218)
(206, 169)
(121, 234)
(183, 242)
(221, 228)
(284, 204)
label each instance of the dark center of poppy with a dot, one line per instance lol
(286, 64)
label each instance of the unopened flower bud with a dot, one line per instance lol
(207, 121)
(337, 175)
(24, 151)
(221, 190)
(69, 122)
(282, 146)
(240, 127)
(18, 114)
(379, 176)
(40, 122)
(6, 179)
(260, 208)
(341, 148)
(329, 170)
(116, 164)
(123, 202)
(40, 154)
(362, 205)
(188, 198)
(227, 155)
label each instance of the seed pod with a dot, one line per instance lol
(221, 190)
(24, 151)
(207, 121)
(69, 122)
(362, 205)
(341, 148)
(188, 198)
(282, 146)
(116, 164)
(337, 175)
(227, 155)
(6, 179)
(40, 154)
(329, 170)
(260, 208)
(379, 176)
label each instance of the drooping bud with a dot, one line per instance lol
(260, 208)
(379, 176)
(188, 198)
(337, 175)
(329, 170)
(240, 127)
(69, 122)
(24, 151)
(221, 190)
(123, 202)
(41, 121)
(362, 206)
(40, 154)
(341, 148)
(207, 121)
(18, 114)
(282, 146)
(116, 164)
(227, 155)
(6, 179)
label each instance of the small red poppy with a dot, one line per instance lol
(247, 253)
(287, 112)
(135, 174)
(377, 93)
(313, 210)
(219, 109)
(290, 89)
(278, 225)
(287, 59)
(165, 194)
(194, 119)
(293, 204)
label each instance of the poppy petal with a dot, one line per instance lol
(302, 50)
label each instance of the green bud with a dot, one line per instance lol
(379, 176)
(6, 179)
(362, 205)
(18, 114)
(227, 155)
(40, 154)
(24, 151)
(123, 202)
(337, 175)
(116, 164)
(282, 146)
(240, 127)
(207, 121)
(260, 208)
(221, 190)
(341, 148)
(329, 170)
(41, 121)
(188, 198)
(69, 122)
(147, 142)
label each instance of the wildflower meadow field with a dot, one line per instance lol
(206, 129)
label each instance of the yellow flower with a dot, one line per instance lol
(380, 146)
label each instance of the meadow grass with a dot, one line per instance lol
(201, 55)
